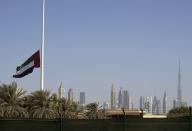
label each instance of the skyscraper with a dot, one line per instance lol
(156, 106)
(126, 99)
(61, 91)
(148, 104)
(164, 103)
(142, 102)
(70, 94)
(179, 96)
(113, 97)
(82, 99)
(120, 98)
(178, 102)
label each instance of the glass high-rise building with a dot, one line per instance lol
(179, 96)
(126, 99)
(82, 99)
(156, 106)
(178, 101)
(142, 102)
(120, 98)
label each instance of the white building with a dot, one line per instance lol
(70, 95)
(61, 91)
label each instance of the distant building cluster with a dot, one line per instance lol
(70, 96)
(153, 105)
(148, 104)
(123, 99)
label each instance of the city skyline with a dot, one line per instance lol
(90, 45)
(121, 99)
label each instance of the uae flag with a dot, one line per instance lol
(28, 66)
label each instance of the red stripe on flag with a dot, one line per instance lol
(36, 58)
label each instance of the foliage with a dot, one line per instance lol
(179, 112)
(92, 111)
(12, 101)
(68, 109)
(102, 114)
(41, 105)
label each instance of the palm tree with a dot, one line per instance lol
(55, 102)
(12, 101)
(42, 105)
(2, 109)
(68, 109)
(95, 112)
(92, 111)
(73, 110)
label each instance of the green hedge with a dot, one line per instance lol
(176, 124)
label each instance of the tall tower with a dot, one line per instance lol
(142, 105)
(61, 91)
(70, 94)
(82, 99)
(126, 100)
(156, 105)
(179, 96)
(165, 103)
(113, 97)
(120, 98)
(148, 104)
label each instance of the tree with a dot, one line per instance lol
(179, 112)
(12, 101)
(41, 105)
(73, 110)
(92, 111)
(2, 107)
(102, 114)
(68, 109)
(54, 102)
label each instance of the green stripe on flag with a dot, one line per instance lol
(27, 62)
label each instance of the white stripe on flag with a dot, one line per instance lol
(23, 69)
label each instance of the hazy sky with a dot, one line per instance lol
(90, 44)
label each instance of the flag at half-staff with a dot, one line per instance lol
(28, 66)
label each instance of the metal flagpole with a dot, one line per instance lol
(42, 46)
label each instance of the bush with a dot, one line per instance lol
(179, 112)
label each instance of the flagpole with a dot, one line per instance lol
(42, 47)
